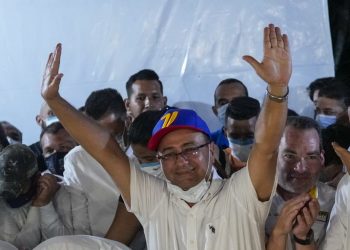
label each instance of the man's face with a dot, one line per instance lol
(12, 132)
(146, 95)
(188, 169)
(225, 93)
(60, 142)
(299, 160)
(143, 154)
(240, 129)
(328, 106)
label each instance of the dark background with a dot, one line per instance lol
(339, 17)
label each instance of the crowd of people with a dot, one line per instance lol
(135, 173)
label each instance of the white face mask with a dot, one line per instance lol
(222, 114)
(50, 119)
(241, 149)
(12, 141)
(195, 193)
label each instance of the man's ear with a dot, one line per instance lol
(165, 100)
(39, 120)
(215, 111)
(322, 158)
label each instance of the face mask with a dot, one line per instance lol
(50, 119)
(241, 148)
(121, 141)
(194, 194)
(325, 120)
(222, 114)
(12, 141)
(152, 168)
(55, 163)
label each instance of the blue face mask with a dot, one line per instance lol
(242, 142)
(150, 164)
(222, 114)
(325, 120)
(55, 163)
(241, 147)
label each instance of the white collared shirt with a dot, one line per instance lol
(229, 216)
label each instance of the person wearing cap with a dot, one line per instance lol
(35, 207)
(299, 164)
(189, 210)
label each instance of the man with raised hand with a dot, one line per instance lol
(189, 210)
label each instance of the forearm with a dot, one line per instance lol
(124, 227)
(271, 121)
(276, 242)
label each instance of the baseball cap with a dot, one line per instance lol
(174, 119)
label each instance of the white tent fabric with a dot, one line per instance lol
(193, 45)
(80, 242)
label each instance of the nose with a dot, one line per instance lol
(300, 167)
(148, 103)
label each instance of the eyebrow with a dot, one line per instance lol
(182, 146)
(308, 153)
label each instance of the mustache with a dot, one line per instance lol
(299, 175)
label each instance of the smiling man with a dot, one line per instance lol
(191, 210)
(300, 161)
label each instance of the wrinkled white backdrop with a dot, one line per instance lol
(192, 44)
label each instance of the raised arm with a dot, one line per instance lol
(95, 139)
(275, 69)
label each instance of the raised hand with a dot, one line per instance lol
(52, 78)
(343, 154)
(276, 66)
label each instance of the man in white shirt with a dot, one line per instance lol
(337, 237)
(35, 207)
(190, 210)
(300, 161)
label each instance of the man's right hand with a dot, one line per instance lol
(52, 78)
(46, 190)
(343, 154)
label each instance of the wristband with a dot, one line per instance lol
(276, 98)
(309, 238)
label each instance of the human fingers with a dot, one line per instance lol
(280, 43)
(56, 59)
(273, 37)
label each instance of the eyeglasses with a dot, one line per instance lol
(187, 154)
(309, 159)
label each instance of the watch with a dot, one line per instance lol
(309, 238)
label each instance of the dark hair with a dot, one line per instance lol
(103, 102)
(291, 112)
(52, 129)
(145, 74)
(3, 140)
(242, 108)
(304, 123)
(231, 81)
(317, 84)
(141, 128)
(336, 89)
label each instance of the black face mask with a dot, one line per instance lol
(55, 163)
